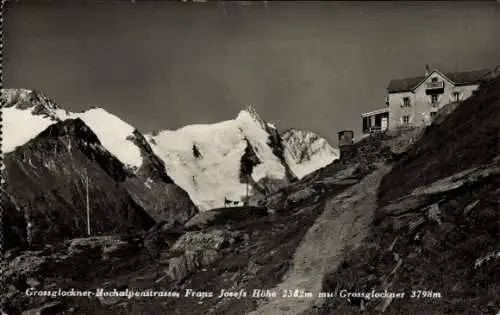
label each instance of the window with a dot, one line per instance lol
(366, 124)
(434, 79)
(434, 99)
(456, 96)
(406, 120)
(406, 102)
(433, 114)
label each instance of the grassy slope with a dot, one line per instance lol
(470, 136)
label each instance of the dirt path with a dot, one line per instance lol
(346, 220)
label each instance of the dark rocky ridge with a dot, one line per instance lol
(152, 167)
(274, 141)
(276, 144)
(249, 160)
(47, 180)
(74, 132)
(155, 191)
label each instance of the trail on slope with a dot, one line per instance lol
(346, 220)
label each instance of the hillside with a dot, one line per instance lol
(436, 227)
(468, 137)
(232, 248)
(46, 189)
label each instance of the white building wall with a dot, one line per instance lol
(397, 110)
(421, 103)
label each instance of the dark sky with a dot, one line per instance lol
(312, 66)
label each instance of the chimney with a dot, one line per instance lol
(427, 70)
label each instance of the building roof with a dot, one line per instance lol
(459, 78)
(346, 131)
(375, 112)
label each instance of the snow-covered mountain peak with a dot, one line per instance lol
(31, 101)
(244, 115)
(249, 114)
(115, 134)
(306, 152)
(26, 113)
(205, 160)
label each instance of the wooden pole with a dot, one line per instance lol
(87, 200)
(246, 202)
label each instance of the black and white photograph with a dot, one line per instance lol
(250, 157)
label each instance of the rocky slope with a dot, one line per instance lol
(436, 235)
(232, 248)
(241, 248)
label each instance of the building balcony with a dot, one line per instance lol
(435, 85)
(375, 129)
(403, 126)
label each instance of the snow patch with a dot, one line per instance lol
(22, 120)
(20, 126)
(113, 133)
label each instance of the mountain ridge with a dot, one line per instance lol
(68, 153)
(46, 185)
(129, 145)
